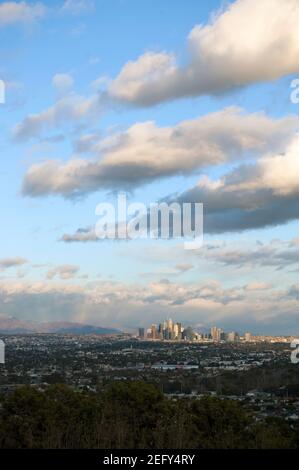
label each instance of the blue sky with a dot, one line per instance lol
(227, 98)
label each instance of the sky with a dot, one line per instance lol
(172, 100)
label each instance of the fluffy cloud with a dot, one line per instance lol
(23, 12)
(81, 235)
(68, 109)
(146, 152)
(20, 12)
(184, 267)
(253, 286)
(235, 49)
(63, 82)
(276, 254)
(12, 262)
(64, 272)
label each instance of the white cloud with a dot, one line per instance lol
(70, 109)
(77, 7)
(23, 12)
(146, 152)
(250, 41)
(63, 83)
(254, 286)
(20, 12)
(81, 235)
(64, 272)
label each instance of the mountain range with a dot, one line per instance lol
(12, 325)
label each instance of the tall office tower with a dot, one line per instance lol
(216, 334)
(177, 331)
(165, 329)
(221, 335)
(161, 331)
(141, 333)
(179, 325)
(170, 325)
(247, 337)
(154, 331)
(231, 337)
(199, 337)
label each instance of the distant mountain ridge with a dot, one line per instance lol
(11, 325)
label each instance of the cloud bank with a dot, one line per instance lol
(126, 306)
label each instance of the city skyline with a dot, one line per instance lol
(168, 330)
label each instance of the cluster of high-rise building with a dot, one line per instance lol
(217, 335)
(170, 331)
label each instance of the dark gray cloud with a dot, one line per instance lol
(224, 212)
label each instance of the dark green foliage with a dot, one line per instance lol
(132, 415)
(219, 423)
